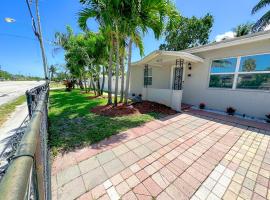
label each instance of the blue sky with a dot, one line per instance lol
(20, 53)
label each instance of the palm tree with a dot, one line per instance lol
(150, 15)
(122, 68)
(265, 19)
(131, 19)
(243, 29)
(52, 71)
(105, 12)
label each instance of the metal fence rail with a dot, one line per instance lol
(28, 174)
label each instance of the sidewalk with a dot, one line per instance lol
(9, 128)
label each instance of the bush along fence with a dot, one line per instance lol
(28, 172)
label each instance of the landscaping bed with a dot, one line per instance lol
(133, 109)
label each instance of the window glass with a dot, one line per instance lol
(221, 81)
(254, 81)
(147, 76)
(149, 71)
(224, 65)
(255, 63)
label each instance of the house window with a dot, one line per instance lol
(222, 73)
(247, 72)
(254, 72)
(147, 76)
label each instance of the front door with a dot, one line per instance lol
(178, 75)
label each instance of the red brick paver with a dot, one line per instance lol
(185, 156)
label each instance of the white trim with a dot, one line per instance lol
(176, 54)
(236, 72)
(232, 42)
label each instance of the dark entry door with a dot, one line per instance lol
(178, 74)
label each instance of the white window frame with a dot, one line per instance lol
(222, 73)
(236, 73)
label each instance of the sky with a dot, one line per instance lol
(20, 52)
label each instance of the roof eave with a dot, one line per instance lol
(157, 53)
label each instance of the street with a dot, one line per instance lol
(10, 90)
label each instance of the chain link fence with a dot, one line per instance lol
(26, 174)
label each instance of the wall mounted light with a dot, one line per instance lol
(189, 66)
(189, 75)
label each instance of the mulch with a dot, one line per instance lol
(135, 108)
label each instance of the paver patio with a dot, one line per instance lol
(186, 156)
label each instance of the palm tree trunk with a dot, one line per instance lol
(128, 70)
(103, 79)
(93, 84)
(39, 36)
(98, 86)
(110, 76)
(122, 78)
(85, 86)
(117, 68)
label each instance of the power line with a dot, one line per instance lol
(25, 37)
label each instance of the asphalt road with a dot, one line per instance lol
(10, 90)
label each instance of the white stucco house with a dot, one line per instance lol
(234, 72)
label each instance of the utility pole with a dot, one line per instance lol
(38, 34)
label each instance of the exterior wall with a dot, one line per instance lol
(136, 80)
(113, 83)
(168, 97)
(160, 78)
(250, 102)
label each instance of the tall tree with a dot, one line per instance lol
(182, 33)
(145, 15)
(106, 13)
(243, 29)
(125, 18)
(52, 71)
(265, 19)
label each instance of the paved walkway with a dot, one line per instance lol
(186, 156)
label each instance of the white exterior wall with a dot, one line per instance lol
(160, 78)
(250, 102)
(113, 83)
(160, 91)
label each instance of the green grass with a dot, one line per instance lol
(8, 108)
(58, 85)
(72, 124)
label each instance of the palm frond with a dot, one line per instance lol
(262, 22)
(260, 5)
(84, 15)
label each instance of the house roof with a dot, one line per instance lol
(188, 53)
(168, 55)
(255, 37)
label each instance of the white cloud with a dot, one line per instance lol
(267, 28)
(227, 35)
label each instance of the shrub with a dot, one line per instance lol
(268, 118)
(202, 106)
(230, 110)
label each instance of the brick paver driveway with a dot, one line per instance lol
(185, 157)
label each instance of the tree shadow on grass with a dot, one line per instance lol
(72, 125)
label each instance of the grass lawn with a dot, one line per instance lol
(72, 124)
(8, 108)
(58, 85)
